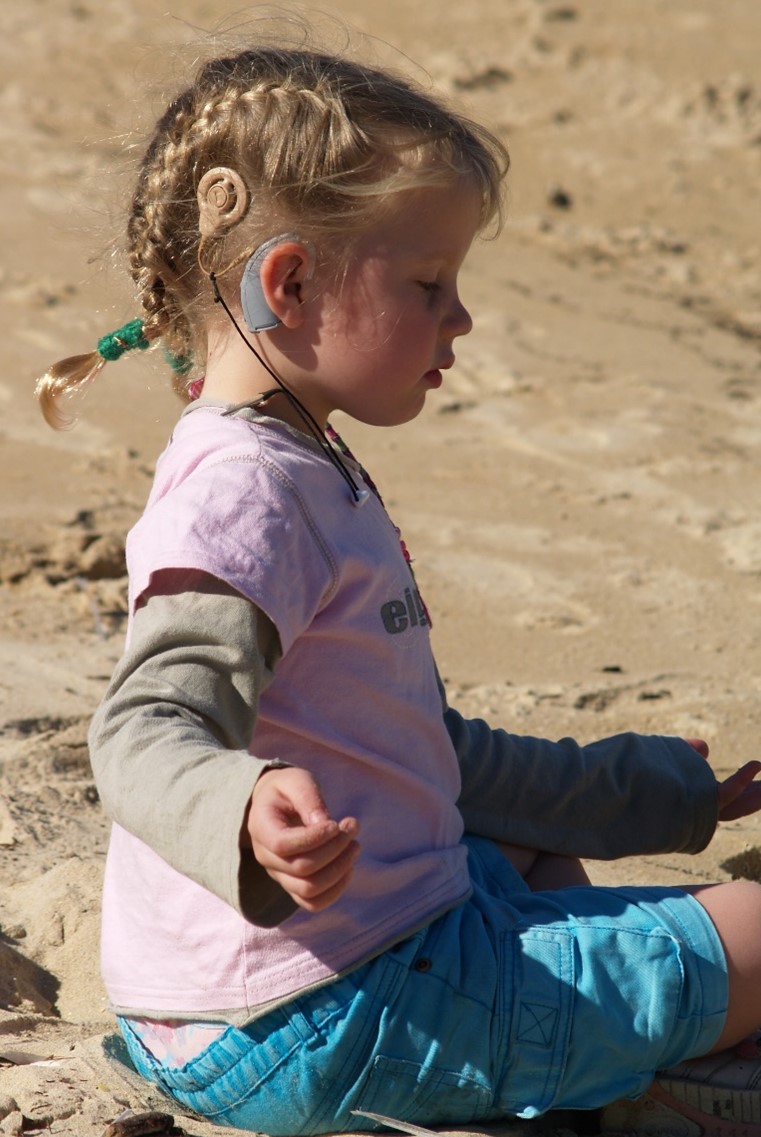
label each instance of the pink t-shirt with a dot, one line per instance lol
(354, 700)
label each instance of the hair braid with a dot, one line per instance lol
(160, 240)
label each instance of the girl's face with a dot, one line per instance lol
(381, 338)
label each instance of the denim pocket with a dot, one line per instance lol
(538, 1009)
(410, 1091)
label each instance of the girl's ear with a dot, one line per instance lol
(284, 271)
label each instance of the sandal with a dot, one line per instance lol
(716, 1096)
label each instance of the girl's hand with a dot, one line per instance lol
(295, 839)
(739, 795)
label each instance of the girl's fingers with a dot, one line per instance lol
(325, 899)
(733, 786)
(739, 796)
(301, 849)
(321, 888)
(699, 745)
(312, 862)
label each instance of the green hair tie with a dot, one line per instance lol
(180, 364)
(128, 338)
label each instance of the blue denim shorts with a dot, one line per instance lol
(511, 1004)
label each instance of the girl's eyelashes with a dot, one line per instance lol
(430, 285)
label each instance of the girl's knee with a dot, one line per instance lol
(736, 900)
(735, 909)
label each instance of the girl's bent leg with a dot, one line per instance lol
(716, 1093)
(544, 871)
(735, 909)
(552, 871)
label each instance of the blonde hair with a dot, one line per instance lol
(323, 144)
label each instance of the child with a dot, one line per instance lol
(328, 896)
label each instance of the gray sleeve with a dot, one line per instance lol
(623, 796)
(169, 743)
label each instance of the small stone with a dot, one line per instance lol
(8, 1105)
(560, 198)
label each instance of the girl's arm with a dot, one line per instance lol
(169, 743)
(622, 796)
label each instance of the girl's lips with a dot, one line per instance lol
(434, 376)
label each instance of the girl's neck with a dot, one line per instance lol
(238, 386)
(235, 376)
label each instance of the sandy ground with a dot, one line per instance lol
(582, 497)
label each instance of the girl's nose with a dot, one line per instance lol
(467, 320)
(460, 321)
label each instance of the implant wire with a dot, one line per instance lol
(360, 496)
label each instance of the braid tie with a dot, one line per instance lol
(72, 375)
(127, 338)
(180, 364)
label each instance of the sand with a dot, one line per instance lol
(581, 497)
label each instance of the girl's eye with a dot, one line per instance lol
(430, 285)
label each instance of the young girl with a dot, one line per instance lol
(329, 898)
